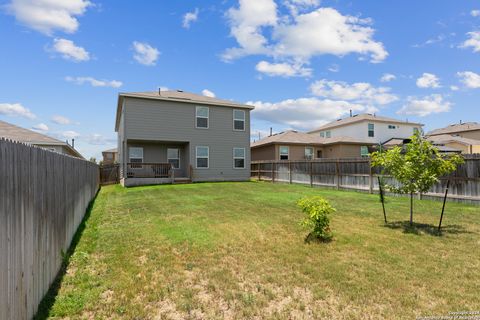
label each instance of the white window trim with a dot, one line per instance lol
(280, 153)
(196, 157)
(244, 159)
(312, 155)
(363, 148)
(130, 158)
(368, 130)
(179, 162)
(328, 134)
(207, 117)
(244, 119)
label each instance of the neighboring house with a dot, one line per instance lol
(460, 144)
(293, 145)
(368, 126)
(469, 130)
(13, 132)
(202, 138)
(110, 156)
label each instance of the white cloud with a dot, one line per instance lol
(283, 69)
(47, 16)
(428, 80)
(40, 127)
(473, 41)
(258, 30)
(15, 110)
(454, 88)
(70, 134)
(208, 93)
(334, 68)
(475, 13)
(190, 17)
(296, 6)
(469, 79)
(61, 120)
(425, 106)
(145, 54)
(360, 92)
(99, 140)
(303, 113)
(387, 77)
(94, 82)
(70, 51)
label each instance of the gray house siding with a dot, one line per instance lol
(168, 121)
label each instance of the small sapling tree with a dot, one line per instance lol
(317, 211)
(416, 167)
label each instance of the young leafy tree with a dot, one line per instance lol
(417, 166)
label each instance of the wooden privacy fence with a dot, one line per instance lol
(43, 199)
(109, 174)
(357, 174)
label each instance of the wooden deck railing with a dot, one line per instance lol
(149, 170)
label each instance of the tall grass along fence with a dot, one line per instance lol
(357, 174)
(43, 198)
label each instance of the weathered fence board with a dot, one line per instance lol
(109, 174)
(43, 198)
(357, 174)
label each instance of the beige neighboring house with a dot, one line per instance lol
(294, 145)
(16, 133)
(110, 156)
(464, 137)
(368, 126)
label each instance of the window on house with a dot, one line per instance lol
(319, 154)
(284, 153)
(173, 157)
(390, 126)
(136, 156)
(364, 151)
(328, 134)
(239, 120)
(239, 158)
(108, 156)
(308, 153)
(415, 130)
(371, 130)
(322, 134)
(201, 117)
(202, 156)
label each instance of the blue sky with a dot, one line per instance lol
(301, 62)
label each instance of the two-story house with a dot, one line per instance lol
(368, 126)
(168, 136)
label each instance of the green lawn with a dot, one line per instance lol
(236, 250)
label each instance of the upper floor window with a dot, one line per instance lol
(239, 120)
(391, 126)
(308, 153)
(371, 130)
(328, 134)
(284, 153)
(201, 117)
(202, 157)
(173, 157)
(239, 158)
(322, 134)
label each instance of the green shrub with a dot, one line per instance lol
(317, 211)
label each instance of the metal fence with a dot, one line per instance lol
(43, 199)
(357, 174)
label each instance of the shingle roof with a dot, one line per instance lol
(177, 96)
(13, 132)
(362, 117)
(295, 137)
(456, 128)
(110, 150)
(445, 138)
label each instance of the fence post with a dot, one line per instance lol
(337, 173)
(290, 172)
(311, 173)
(370, 176)
(258, 169)
(273, 171)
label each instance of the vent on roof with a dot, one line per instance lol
(178, 90)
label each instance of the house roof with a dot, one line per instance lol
(176, 96)
(295, 137)
(445, 138)
(456, 128)
(110, 150)
(16, 133)
(359, 118)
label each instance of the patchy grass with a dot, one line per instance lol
(236, 250)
